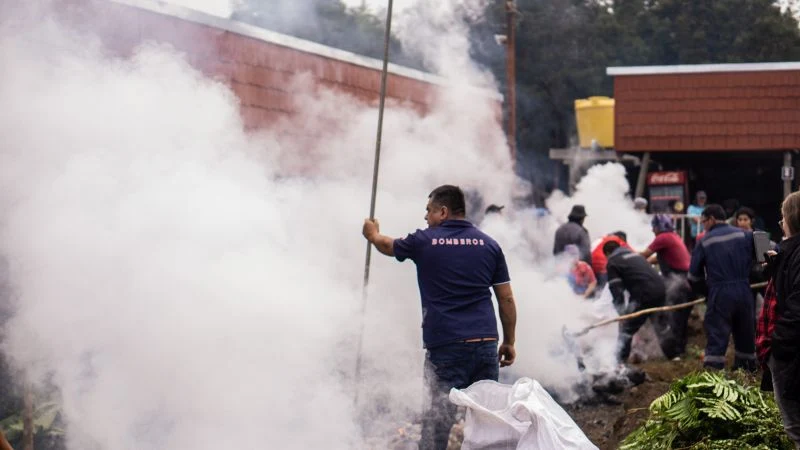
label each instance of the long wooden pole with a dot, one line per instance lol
(375, 167)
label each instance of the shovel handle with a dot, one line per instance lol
(649, 311)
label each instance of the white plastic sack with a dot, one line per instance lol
(522, 416)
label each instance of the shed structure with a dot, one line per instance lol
(734, 128)
(256, 63)
(714, 107)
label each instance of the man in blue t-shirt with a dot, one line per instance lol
(457, 264)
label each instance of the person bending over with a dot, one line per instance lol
(629, 271)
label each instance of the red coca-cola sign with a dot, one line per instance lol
(659, 178)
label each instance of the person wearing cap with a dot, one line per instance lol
(458, 267)
(629, 271)
(694, 212)
(673, 261)
(640, 204)
(574, 233)
(721, 264)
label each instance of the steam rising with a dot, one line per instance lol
(187, 285)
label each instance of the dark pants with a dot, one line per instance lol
(784, 378)
(602, 280)
(453, 366)
(675, 324)
(629, 327)
(730, 310)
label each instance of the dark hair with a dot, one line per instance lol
(790, 209)
(493, 209)
(609, 247)
(451, 197)
(714, 211)
(746, 211)
(731, 204)
(621, 234)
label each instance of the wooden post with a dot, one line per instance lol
(27, 417)
(640, 183)
(4, 445)
(570, 183)
(511, 77)
(787, 183)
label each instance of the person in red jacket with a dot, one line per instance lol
(599, 259)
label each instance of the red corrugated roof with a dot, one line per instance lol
(701, 108)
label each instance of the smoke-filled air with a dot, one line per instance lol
(186, 284)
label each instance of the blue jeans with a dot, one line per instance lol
(450, 366)
(784, 377)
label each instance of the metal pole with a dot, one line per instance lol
(511, 76)
(787, 183)
(642, 175)
(376, 165)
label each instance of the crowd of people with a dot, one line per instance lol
(458, 267)
(721, 262)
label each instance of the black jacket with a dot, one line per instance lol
(630, 271)
(573, 233)
(786, 337)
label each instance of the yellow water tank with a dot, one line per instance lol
(595, 118)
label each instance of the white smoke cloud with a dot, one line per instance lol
(604, 192)
(187, 285)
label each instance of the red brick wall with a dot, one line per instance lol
(708, 111)
(257, 71)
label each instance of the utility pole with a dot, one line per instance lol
(27, 415)
(511, 79)
(788, 173)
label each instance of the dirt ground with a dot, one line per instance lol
(607, 425)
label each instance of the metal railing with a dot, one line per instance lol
(682, 224)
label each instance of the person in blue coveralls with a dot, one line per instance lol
(457, 267)
(721, 263)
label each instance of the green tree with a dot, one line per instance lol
(725, 31)
(565, 46)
